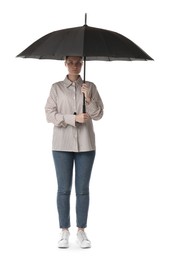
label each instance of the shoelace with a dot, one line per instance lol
(83, 235)
(64, 235)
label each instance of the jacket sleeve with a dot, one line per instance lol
(52, 114)
(95, 107)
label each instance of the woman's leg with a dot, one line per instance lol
(64, 167)
(83, 168)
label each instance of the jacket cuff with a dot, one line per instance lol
(70, 120)
(91, 107)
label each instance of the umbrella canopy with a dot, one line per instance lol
(85, 41)
(89, 42)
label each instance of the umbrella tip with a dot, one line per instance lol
(85, 18)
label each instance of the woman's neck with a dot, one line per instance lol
(73, 77)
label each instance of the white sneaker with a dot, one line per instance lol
(64, 240)
(82, 239)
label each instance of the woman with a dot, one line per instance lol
(73, 144)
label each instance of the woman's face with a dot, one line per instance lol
(74, 65)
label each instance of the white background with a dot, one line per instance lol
(129, 212)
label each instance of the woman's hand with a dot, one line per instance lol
(82, 118)
(85, 90)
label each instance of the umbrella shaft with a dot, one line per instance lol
(84, 80)
(84, 70)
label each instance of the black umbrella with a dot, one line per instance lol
(88, 42)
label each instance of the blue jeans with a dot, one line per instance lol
(64, 162)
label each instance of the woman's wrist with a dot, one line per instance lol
(87, 100)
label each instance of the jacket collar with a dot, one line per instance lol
(68, 82)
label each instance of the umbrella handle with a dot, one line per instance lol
(84, 104)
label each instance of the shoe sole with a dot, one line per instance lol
(66, 246)
(83, 247)
(63, 246)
